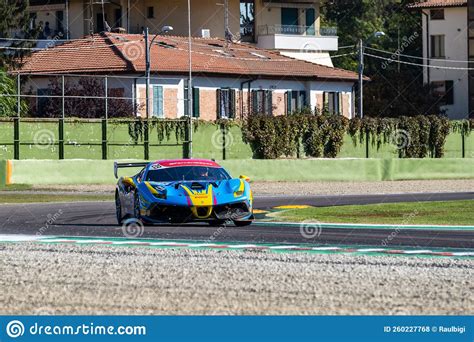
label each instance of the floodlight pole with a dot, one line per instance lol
(147, 75)
(361, 78)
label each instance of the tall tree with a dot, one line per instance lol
(395, 88)
(15, 23)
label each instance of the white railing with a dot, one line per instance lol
(296, 30)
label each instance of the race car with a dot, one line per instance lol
(182, 190)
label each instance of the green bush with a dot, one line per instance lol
(282, 136)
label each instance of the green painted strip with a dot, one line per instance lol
(83, 171)
(358, 250)
(3, 172)
(366, 226)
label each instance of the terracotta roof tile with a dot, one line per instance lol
(115, 53)
(438, 3)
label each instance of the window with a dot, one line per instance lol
(310, 19)
(225, 103)
(444, 90)
(332, 102)
(289, 16)
(158, 101)
(437, 46)
(295, 100)
(150, 12)
(437, 14)
(262, 102)
(59, 22)
(118, 17)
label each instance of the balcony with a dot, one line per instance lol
(297, 38)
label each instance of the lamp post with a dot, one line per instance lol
(148, 45)
(362, 46)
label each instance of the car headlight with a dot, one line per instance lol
(157, 191)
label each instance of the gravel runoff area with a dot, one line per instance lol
(66, 279)
(315, 188)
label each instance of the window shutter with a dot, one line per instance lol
(158, 101)
(186, 97)
(232, 103)
(254, 102)
(269, 102)
(302, 99)
(218, 102)
(196, 103)
(287, 104)
(339, 102)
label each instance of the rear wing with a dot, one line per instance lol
(123, 165)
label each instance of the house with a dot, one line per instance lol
(291, 27)
(229, 80)
(448, 42)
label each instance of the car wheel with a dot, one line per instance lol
(136, 206)
(118, 209)
(242, 223)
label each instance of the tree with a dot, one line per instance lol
(395, 89)
(8, 100)
(82, 100)
(15, 23)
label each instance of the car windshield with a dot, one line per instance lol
(187, 173)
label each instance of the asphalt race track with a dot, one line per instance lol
(97, 219)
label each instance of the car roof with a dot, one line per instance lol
(185, 162)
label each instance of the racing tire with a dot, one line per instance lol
(118, 209)
(242, 223)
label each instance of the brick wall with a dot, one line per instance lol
(170, 103)
(208, 105)
(319, 101)
(278, 103)
(346, 103)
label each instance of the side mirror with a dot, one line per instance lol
(245, 178)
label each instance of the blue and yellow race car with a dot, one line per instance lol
(183, 190)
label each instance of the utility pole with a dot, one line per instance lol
(147, 97)
(190, 87)
(147, 75)
(361, 78)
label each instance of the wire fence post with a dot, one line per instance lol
(61, 138)
(367, 142)
(104, 122)
(104, 139)
(16, 121)
(16, 138)
(61, 121)
(223, 130)
(146, 140)
(463, 144)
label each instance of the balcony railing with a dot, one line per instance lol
(296, 30)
